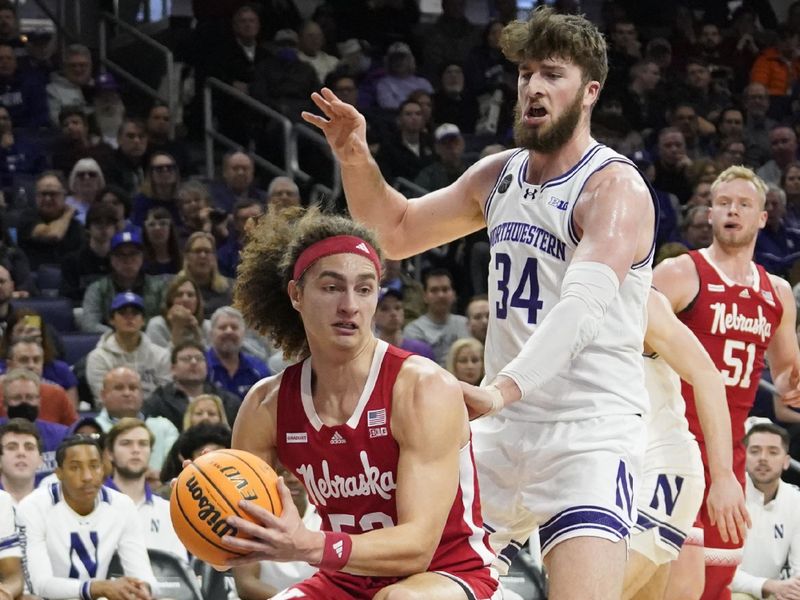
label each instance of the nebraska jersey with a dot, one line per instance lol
(533, 238)
(350, 470)
(735, 324)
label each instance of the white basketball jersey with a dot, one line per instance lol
(532, 239)
(666, 423)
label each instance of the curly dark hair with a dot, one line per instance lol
(265, 270)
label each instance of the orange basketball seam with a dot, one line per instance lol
(219, 491)
(189, 522)
(263, 483)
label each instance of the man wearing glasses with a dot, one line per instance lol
(49, 231)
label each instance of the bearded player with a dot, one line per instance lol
(740, 314)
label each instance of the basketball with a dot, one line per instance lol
(209, 490)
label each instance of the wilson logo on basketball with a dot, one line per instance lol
(206, 511)
(371, 481)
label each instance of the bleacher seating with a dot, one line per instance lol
(56, 312)
(175, 578)
(77, 345)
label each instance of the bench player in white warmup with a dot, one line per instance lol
(571, 226)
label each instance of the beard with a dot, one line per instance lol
(127, 473)
(553, 137)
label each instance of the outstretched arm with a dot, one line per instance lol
(405, 227)
(783, 354)
(682, 351)
(430, 427)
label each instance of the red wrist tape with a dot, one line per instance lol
(336, 551)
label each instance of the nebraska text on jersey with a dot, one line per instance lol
(367, 483)
(724, 320)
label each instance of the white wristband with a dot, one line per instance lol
(497, 400)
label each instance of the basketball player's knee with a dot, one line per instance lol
(685, 588)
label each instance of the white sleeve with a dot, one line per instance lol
(745, 583)
(132, 549)
(9, 537)
(794, 549)
(40, 569)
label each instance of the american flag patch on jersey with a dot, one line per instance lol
(376, 417)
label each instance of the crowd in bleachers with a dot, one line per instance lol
(118, 255)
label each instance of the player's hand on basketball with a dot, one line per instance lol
(344, 127)
(727, 510)
(124, 588)
(283, 538)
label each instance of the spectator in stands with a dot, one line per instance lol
(701, 195)
(90, 262)
(777, 68)
(228, 252)
(696, 229)
(158, 189)
(730, 125)
(159, 138)
(21, 450)
(783, 150)
(76, 142)
(182, 317)
(449, 39)
(9, 27)
(642, 105)
(15, 262)
(195, 441)
(189, 381)
(695, 129)
(23, 95)
(401, 79)
(438, 327)
(773, 542)
(127, 345)
(85, 180)
(485, 67)
(17, 153)
(198, 213)
(449, 164)
(667, 229)
(127, 274)
(425, 101)
(413, 293)
(162, 249)
(67, 88)
(108, 108)
(478, 317)
(390, 318)
(22, 400)
(407, 153)
(229, 367)
(205, 408)
(452, 104)
(126, 167)
(310, 49)
(624, 51)
(129, 445)
(465, 360)
(6, 294)
(757, 124)
(238, 172)
(53, 514)
(282, 192)
(49, 231)
(790, 183)
(200, 265)
(707, 99)
(29, 345)
(731, 152)
(673, 164)
(116, 198)
(777, 246)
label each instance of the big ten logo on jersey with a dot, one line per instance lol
(83, 555)
(371, 481)
(668, 488)
(624, 498)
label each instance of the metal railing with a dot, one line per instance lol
(171, 100)
(291, 135)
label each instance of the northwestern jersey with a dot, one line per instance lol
(666, 422)
(533, 238)
(65, 551)
(735, 324)
(350, 470)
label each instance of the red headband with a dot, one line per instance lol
(339, 244)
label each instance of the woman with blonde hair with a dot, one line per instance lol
(158, 189)
(85, 180)
(465, 360)
(205, 408)
(182, 317)
(200, 265)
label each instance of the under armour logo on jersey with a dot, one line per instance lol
(504, 185)
(529, 193)
(744, 294)
(363, 247)
(338, 439)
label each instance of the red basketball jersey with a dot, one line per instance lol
(350, 470)
(734, 323)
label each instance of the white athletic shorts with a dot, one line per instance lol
(568, 478)
(669, 500)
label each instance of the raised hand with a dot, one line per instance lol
(344, 127)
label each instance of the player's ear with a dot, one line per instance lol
(295, 292)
